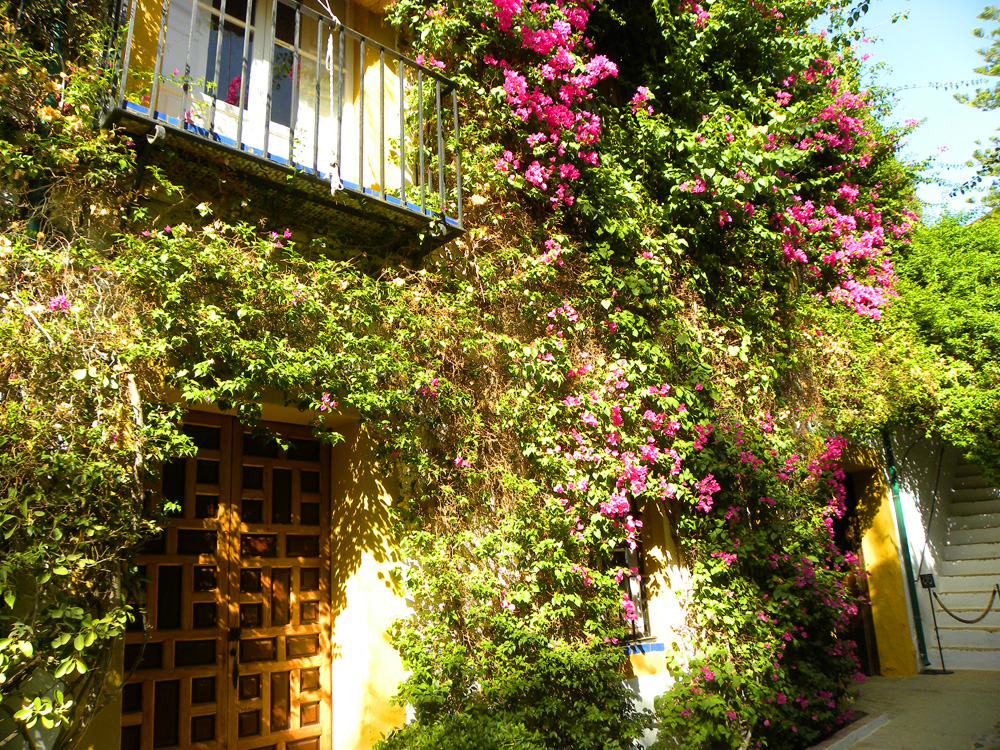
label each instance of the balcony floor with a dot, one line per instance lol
(290, 197)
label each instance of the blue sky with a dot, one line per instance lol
(933, 45)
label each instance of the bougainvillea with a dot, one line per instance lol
(668, 300)
(550, 92)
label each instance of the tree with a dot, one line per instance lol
(950, 293)
(987, 99)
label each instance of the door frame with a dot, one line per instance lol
(159, 679)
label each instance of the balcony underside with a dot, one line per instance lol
(292, 197)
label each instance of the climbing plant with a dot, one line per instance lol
(711, 216)
(670, 252)
(949, 283)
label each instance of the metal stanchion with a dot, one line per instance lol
(927, 581)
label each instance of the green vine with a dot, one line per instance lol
(666, 267)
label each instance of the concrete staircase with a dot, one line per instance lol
(970, 569)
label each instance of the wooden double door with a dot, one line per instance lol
(232, 650)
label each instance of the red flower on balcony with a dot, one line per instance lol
(233, 97)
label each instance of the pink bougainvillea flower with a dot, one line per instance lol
(641, 96)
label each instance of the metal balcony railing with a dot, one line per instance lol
(286, 82)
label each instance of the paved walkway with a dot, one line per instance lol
(959, 711)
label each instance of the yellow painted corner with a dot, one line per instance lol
(664, 577)
(646, 664)
(880, 545)
(105, 730)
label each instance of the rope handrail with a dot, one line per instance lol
(989, 606)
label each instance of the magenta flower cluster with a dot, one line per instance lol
(639, 101)
(549, 96)
(233, 94)
(841, 236)
(853, 241)
(834, 233)
(700, 14)
(59, 302)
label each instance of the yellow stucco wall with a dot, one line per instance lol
(104, 731)
(646, 664)
(880, 544)
(374, 27)
(364, 602)
(145, 34)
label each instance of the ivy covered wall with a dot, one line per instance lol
(681, 226)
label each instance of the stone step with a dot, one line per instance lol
(969, 636)
(982, 535)
(965, 583)
(973, 494)
(990, 567)
(970, 481)
(984, 551)
(963, 658)
(979, 521)
(975, 508)
(963, 468)
(971, 601)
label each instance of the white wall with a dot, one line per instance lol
(926, 470)
(646, 688)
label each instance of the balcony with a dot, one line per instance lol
(336, 129)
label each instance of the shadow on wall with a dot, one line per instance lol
(868, 503)
(665, 580)
(364, 597)
(864, 465)
(926, 476)
(360, 497)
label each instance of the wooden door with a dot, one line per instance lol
(848, 532)
(279, 655)
(237, 652)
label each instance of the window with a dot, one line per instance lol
(635, 588)
(261, 75)
(229, 59)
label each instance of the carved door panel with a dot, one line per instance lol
(237, 599)
(279, 658)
